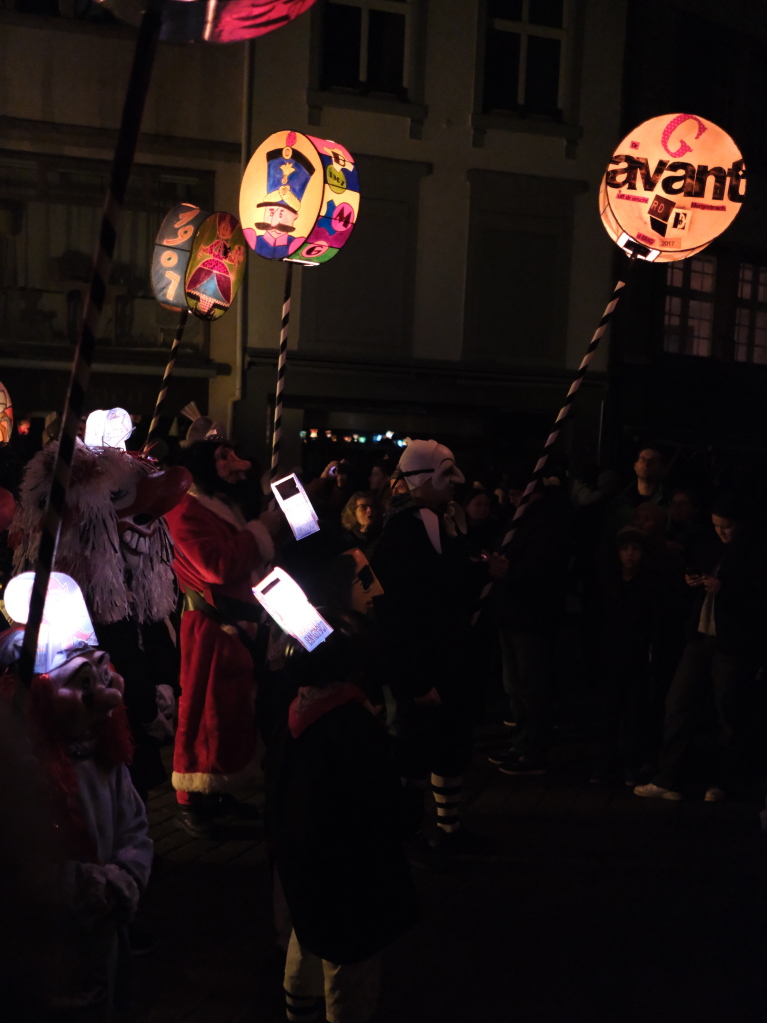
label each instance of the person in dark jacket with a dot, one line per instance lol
(720, 670)
(530, 604)
(628, 624)
(430, 589)
(337, 821)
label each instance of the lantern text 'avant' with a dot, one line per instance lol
(674, 184)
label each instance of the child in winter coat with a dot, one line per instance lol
(78, 732)
(336, 821)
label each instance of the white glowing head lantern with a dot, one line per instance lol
(108, 428)
(284, 600)
(66, 628)
(293, 500)
(674, 184)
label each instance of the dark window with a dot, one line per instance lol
(689, 312)
(365, 46)
(751, 314)
(524, 57)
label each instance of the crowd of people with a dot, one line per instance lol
(435, 625)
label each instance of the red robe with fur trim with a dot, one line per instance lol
(217, 554)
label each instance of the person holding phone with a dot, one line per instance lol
(721, 668)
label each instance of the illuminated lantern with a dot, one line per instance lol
(674, 184)
(213, 21)
(299, 198)
(6, 415)
(198, 262)
(66, 627)
(108, 428)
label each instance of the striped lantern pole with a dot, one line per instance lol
(563, 414)
(154, 425)
(133, 109)
(282, 361)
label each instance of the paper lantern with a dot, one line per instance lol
(108, 428)
(213, 21)
(66, 626)
(198, 262)
(674, 184)
(299, 198)
(6, 415)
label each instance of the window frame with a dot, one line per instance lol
(413, 107)
(520, 120)
(754, 306)
(687, 294)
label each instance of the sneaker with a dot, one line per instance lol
(461, 842)
(504, 754)
(650, 791)
(519, 765)
(714, 795)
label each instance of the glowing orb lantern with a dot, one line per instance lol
(108, 428)
(6, 415)
(674, 184)
(299, 198)
(66, 626)
(198, 262)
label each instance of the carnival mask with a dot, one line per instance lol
(6, 415)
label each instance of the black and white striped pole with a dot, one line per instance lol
(154, 425)
(282, 361)
(562, 415)
(133, 109)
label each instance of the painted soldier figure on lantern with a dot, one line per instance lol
(288, 175)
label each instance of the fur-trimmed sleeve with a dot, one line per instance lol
(263, 539)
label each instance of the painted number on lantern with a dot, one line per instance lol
(169, 258)
(174, 279)
(186, 217)
(183, 235)
(335, 178)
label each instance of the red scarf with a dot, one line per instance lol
(311, 703)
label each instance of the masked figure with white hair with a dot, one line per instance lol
(430, 587)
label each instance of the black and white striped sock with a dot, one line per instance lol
(447, 796)
(301, 1009)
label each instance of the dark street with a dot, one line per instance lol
(596, 907)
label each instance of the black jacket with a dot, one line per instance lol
(337, 819)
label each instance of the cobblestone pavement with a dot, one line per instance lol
(594, 906)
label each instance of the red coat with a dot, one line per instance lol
(215, 739)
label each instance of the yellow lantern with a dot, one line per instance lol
(299, 198)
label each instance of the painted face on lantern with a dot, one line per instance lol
(84, 691)
(365, 585)
(277, 220)
(229, 466)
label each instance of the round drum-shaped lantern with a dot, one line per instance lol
(198, 262)
(299, 198)
(674, 184)
(6, 415)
